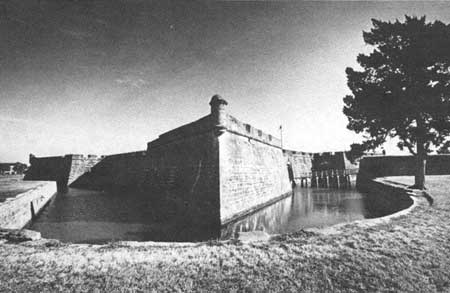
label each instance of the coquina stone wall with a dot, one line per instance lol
(253, 169)
(50, 169)
(114, 172)
(16, 212)
(183, 169)
(300, 162)
(381, 166)
(80, 165)
(331, 160)
(378, 166)
(303, 164)
(63, 169)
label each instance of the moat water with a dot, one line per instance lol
(83, 216)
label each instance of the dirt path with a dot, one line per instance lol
(409, 253)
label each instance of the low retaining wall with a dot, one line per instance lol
(386, 197)
(17, 212)
(382, 166)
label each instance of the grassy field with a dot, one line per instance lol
(410, 253)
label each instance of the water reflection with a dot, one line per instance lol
(96, 217)
(307, 207)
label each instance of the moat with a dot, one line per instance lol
(83, 216)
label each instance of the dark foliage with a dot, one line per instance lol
(404, 88)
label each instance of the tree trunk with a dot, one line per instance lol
(421, 161)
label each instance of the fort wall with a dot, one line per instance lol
(183, 170)
(114, 172)
(253, 170)
(48, 168)
(91, 172)
(380, 166)
(331, 161)
(80, 165)
(300, 162)
(303, 164)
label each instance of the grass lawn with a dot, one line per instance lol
(409, 253)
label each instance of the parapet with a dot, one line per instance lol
(128, 155)
(75, 156)
(297, 153)
(97, 157)
(202, 125)
(218, 121)
(235, 126)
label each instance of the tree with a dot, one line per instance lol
(403, 90)
(356, 152)
(19, 168)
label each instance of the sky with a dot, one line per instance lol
(108, 76)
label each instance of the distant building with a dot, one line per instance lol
(12, 168)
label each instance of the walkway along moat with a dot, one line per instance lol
(84, 216)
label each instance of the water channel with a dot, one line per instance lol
(83, 216)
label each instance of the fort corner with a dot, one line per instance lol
(217, 168)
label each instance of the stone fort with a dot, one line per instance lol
(217, 167)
